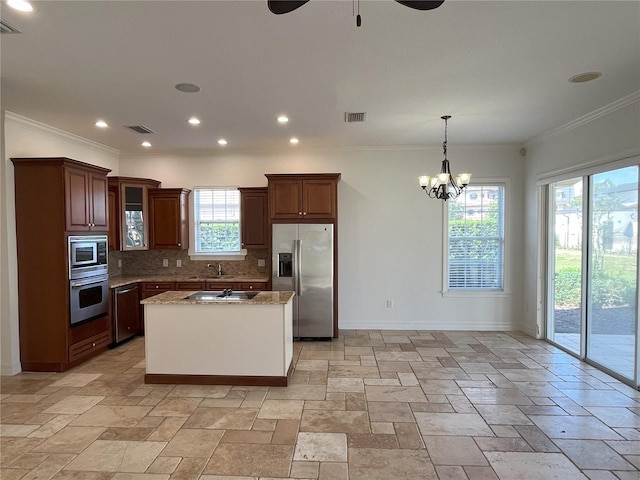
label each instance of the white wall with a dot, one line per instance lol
(26, 138)
(609, 134)
(390, 234)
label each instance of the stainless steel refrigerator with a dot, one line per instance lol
(302, 262)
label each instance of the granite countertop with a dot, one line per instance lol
(180, 298)
(121, 280)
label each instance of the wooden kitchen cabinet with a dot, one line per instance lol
(149, 289)
(220, 285)
(114, 217)
(169, 218)
(131, 230)
(256, 286)
(254, 217)
(85, 200)
(242, 286)
(303, 198)
(55, 198)
(188, 286)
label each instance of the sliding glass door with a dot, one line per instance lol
(565, 264)
(592, 268)
(613, 241)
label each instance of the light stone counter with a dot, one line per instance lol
(180, 298)
(121, 280)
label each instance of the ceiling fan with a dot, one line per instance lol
(285, 6)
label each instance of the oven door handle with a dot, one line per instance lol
(84, 284)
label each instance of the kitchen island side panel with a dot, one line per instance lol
(233, 340)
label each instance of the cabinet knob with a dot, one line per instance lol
(304, 213)
(93, 344)
(179, 244)
(157, 286)
(299, 213)
(250, 287)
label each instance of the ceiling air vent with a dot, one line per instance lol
(6, 28)
(139, 128)
(350, 117)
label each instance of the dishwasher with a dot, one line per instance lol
(126, 312)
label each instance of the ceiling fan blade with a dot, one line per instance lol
(284, 6)
(421, 5)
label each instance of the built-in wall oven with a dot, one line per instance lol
(88, 278)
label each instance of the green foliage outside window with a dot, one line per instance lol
(219, 237)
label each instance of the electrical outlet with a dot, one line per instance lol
(261, 262)
(389, 303)
(165, 262)
(178, 263)
(119, 263)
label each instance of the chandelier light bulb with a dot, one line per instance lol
(465, 178)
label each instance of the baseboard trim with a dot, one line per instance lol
(238, 380)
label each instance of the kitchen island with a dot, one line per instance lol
(214, 340)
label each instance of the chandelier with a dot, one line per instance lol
(443, 186)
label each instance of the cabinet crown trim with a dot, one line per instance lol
(302, 176)
(60, 161)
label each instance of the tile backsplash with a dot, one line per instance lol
(150, 262)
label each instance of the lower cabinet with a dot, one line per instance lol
(149, 289)
(125, 312)
(257, 286)
(88, 339)
(190, 286)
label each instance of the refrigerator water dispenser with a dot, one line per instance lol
(285, 265)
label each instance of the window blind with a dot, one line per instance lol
(217, 220)
(476, 239)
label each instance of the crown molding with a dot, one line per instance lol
(614, 106)
(35, 126)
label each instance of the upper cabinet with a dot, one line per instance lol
(85, 199)
(169, 218)
(309, 197)
(254, 219)
(129, 197)
(82, 189)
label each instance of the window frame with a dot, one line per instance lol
(221, 255)
(480, 292)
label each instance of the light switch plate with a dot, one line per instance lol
(178, 263)
(261, 262)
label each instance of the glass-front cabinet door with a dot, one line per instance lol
(135, 228)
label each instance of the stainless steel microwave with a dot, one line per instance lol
(88, 255)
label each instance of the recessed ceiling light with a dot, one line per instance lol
(222, 142)
(188, 87)
(101, 124)
(585, 77)
(146, 144)
(194, 121)
(283, 119)
(20, 5)
(294, 141)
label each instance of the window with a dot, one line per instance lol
(476, 239)
(217, 220)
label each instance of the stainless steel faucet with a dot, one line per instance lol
(209, 265)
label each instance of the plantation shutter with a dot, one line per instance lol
(217, 220)
(476, 239)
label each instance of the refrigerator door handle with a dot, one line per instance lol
(297, 261)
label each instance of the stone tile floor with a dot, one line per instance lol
(373, 405)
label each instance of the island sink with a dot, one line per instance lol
(217, 296)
